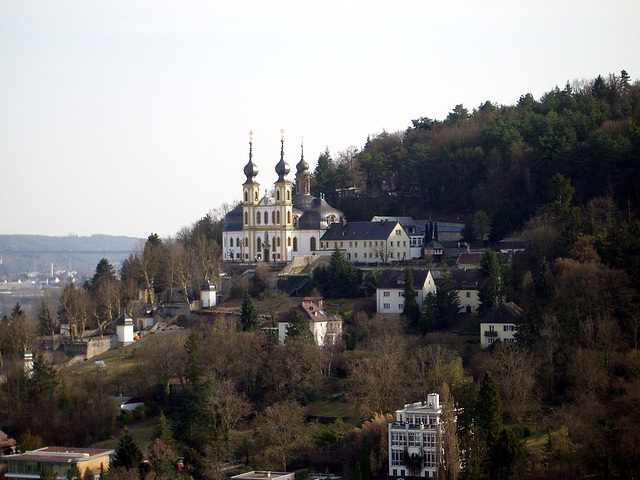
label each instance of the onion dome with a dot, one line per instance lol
(302, 166)
(282, 168)
(250, 169)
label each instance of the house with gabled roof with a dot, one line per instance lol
(391, 285)
(326, 329)
(468, 284)
(501, 324)
(368, 242)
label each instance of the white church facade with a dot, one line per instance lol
(280, 226)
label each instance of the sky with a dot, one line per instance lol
(128, 117)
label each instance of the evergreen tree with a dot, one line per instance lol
(248, 314)
(504, 455)
(299, 327)
(127, 453)
(340, 279)
(162, 430)
(493, 293)
(489, 410)
(193, 366)
(46, 321)
(448, 302)
(363, 461)
(411, 310)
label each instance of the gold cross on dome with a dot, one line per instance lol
(282, 134)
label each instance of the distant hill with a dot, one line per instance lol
(43, 243)
(29, 253)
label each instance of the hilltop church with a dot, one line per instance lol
(277, 227)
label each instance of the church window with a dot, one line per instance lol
(313, 244)
(278, 241)
(278, 217)
(278, 194)
(258, 218)
(246, 196)
(255, 195)
(273, 217)
(295, 221)
(288, 194)
(266, 218)
(259, 243)
(288, 241)
(288, 217)
(237, 242)
(246, 218)
(295, 244)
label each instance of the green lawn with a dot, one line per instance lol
(331, 409)
(141, 433)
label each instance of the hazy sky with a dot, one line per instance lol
(131, 117)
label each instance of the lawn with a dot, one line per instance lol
(141, 432)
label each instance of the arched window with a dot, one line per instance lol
(258, 218)
(238, 242)
(278, 217)
(278, 242)
(288, 241)
(273, 217)
(278, 194)
(246, 241)
(266, 218)
(288, 194)
(255, 195)
(246, 218)
(288, 217)
(295, 244)
(246, 196)
(258, 244)
(313, 244)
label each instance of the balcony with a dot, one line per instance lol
(491, 334)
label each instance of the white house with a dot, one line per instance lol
(501, 324)
(413, 229)
(208, 295)
(326, 329)
(416, 431)
(390, 291)
(368, 242)
(468, 284)
(124, 330)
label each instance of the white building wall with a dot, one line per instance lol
(490, 332)
(470, 299)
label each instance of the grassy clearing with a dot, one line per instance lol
(141, 433)
(331, 409)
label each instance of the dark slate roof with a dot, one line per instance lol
(315, 212)
(468, 279)
(233, 220)
(505, 313)
(359, 231)
(395, 279)
(433, 245)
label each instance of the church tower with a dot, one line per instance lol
(283, 208)
(303, 178)
(250, 200)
